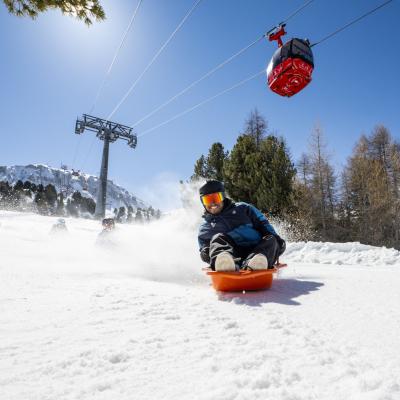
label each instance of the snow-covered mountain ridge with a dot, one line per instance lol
(69, 181)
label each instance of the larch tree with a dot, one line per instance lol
(322, 185)
(256, 126)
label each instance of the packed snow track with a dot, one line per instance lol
(140, 321)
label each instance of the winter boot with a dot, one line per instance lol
(259, 261)
(225, 262)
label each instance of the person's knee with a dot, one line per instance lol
(218, 236)
(270, 248)
(270, 242)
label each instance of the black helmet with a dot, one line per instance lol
(108, 223)
(212, 187)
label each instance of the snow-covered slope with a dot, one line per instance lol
(67, 181)
(142, 322)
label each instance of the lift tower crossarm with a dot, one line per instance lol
(101, 126)
(109, 132)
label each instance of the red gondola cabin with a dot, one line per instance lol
(290, 68)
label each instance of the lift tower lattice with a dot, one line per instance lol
(109, 132)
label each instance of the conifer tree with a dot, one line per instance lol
(18, 196)
(5, 194)
(256, 126)
(259, 169)
(322, 186)
(60, 204)
(199, 169)
(372, 189)
(85, 10)
(215, 162)
(121, 214)
(273, 173)
(129, 217)
(51, 197)
(40, 200)
(211, 167)
(139, 216)
(238, 169)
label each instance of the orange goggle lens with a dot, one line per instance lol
(212, 198)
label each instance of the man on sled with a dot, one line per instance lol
(233, 235)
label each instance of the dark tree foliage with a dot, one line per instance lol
(121, 214)
(5, 194)
(26, 196)
(60, 204)
(50, 196)
(273, 174)
(215, 162)
(19, 186)
(85, 10)
(40, 200)
(129, 217)
(211, 167)
(238, 169)
(261, 175)
(139, 216)
(200, 168)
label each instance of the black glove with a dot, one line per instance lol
(205, 254)
(281, 243)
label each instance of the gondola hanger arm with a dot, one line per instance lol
(277, 34)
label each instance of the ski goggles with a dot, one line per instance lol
(212, 198)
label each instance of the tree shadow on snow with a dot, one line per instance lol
(282, 291)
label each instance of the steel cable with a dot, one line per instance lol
(153, 59)
(202, 103)
(351, 23)
(116, 55)
(108, 72)
(219, 66)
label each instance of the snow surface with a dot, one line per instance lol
(142, 322)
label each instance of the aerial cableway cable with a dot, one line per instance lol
(128, 28)
(292, 64)
(219, 66)
(154, 59)
(211, 72)
(181, 114)
(106, 76)
(351, 23)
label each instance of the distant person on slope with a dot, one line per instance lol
(104, 238)
(235, 235)
(59, 227)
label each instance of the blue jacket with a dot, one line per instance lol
(244, 223)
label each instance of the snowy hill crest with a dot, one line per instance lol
(68, 181)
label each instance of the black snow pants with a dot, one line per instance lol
(221, 242)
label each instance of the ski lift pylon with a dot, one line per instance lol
(291, 66)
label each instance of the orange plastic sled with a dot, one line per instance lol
(243, 279)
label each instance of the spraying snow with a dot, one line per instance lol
(140, 320)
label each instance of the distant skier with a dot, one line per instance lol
(105, 237)
(235, 235)
(59, 227)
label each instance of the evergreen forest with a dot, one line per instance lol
(359, 203)
(29, 197)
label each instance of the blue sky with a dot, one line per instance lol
(53, 66)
